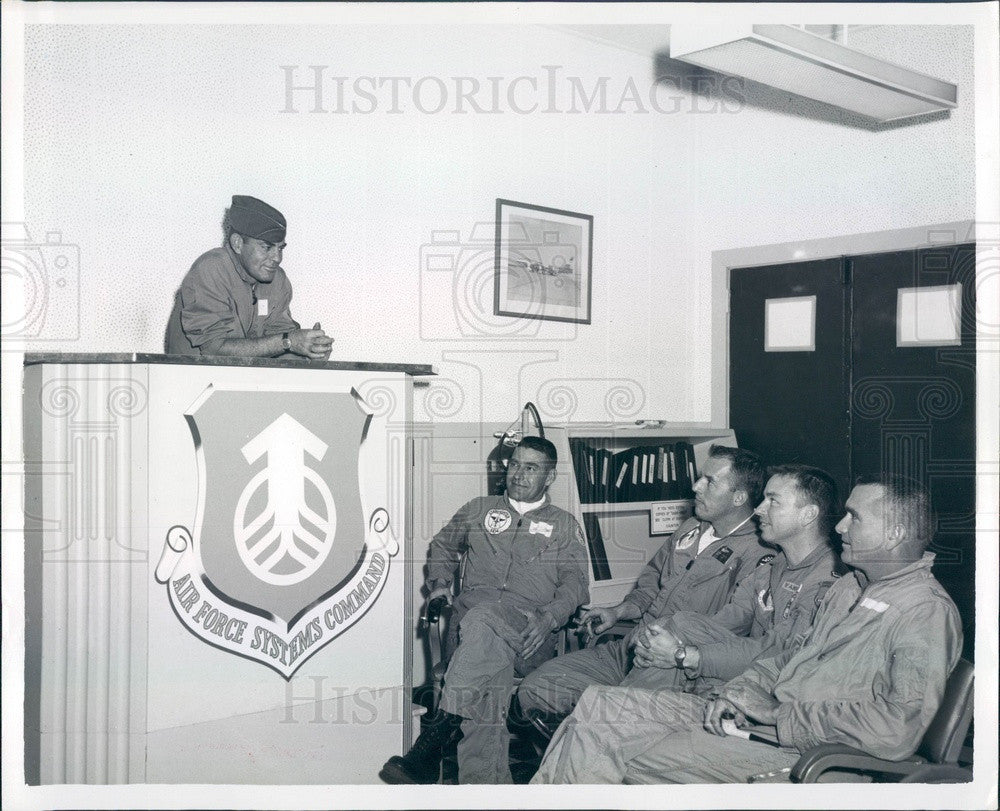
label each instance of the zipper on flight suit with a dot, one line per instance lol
(510, 557)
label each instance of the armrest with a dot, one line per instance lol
(435, 632)
(939, 773)
(828, 756)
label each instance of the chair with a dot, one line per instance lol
(525, 753)
(936, 760)
(436, 633)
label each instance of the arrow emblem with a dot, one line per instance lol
(287, 540)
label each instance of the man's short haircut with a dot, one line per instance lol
(909, 505)
(746, 470)
(815, 486)
(542, 445)
(227, 228)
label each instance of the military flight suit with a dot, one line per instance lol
(870, 675)
(770, 610)
(676, 578)
(512, 563)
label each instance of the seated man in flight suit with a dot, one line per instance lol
(697, 569)
(871, 673)
(773, 607)
(525, 575)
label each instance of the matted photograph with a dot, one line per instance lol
(542, 263)
(331, 480)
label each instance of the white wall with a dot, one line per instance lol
(136, 136)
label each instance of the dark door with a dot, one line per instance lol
(790, 406)
(913, 407)
(861, 403)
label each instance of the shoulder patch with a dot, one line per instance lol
(765, 559)
(580, 539)
(688, 538)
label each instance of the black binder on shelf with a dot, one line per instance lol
(650, 489)
(603, 462)
(687, 473)
(621, 472)
(595, 543)
(579, 454)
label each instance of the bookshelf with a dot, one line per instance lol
(616, 515)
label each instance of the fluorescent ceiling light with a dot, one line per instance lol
(791, 59)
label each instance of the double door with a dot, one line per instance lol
(866, 364)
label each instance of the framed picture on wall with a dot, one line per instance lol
(542, 263)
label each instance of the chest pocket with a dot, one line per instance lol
(710, 568)
(708, 585)
(537, 549)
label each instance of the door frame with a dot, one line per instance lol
(927, 236)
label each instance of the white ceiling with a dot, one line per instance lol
(643, 39)
(652, 39)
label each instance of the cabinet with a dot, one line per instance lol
(616, 506)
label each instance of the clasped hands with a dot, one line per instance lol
(311, 343)
(654, 646)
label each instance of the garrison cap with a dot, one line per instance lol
(255, 218)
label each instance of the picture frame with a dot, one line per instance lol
(543, 263)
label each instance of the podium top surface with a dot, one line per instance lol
(34, 358)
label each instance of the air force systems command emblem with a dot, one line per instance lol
(288, 550)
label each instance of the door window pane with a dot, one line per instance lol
(790, 324)
(929, 316)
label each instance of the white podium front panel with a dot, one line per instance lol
(221, 583)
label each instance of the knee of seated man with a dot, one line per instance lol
(534, 687)
(478, 618)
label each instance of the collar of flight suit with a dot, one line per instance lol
(820, 552)
(925, 562)
(529, 508)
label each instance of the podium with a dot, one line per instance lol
(217, 588)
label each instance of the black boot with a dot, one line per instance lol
(422, 764)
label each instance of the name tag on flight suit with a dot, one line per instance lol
(262, 307)
(540, 528)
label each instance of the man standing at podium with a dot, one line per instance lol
(525, 572)
(235, 299)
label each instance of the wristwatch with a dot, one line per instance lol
(679, 655)
(285, 342)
